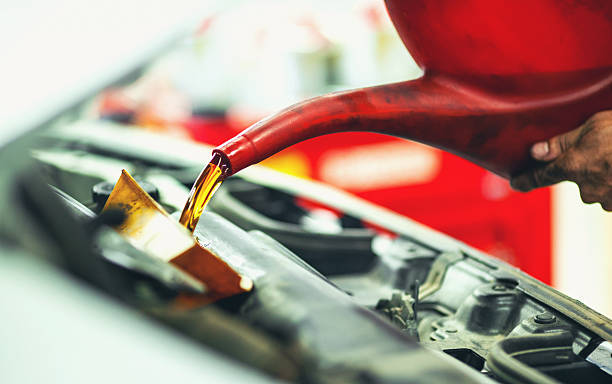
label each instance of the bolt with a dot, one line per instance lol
(545, 318)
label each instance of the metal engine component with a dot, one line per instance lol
(401, 311)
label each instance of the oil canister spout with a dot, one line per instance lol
(499, 76)
(494, 131)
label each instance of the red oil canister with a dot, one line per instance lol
(499, 75)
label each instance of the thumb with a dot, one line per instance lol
(555, 146)
(547, 174)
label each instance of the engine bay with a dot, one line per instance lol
(343, 290)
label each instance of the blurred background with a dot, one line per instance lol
(248, 59)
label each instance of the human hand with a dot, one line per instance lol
(583, 156)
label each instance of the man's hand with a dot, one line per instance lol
(583, 156)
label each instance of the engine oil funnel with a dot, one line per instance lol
(148, 227)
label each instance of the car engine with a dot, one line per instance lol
(344, 291)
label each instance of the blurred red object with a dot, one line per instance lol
(211, 130)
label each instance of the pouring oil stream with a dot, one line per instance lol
(203, 190)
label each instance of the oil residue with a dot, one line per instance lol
(202, 191)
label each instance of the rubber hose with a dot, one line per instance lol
(502, 363)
